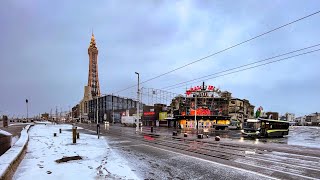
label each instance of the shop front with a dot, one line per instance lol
(203, 122)
(148, 118)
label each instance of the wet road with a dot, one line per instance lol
(156, 157)
(308, 136)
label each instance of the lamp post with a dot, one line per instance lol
(27, 101)
(97, 111)
(138, 103)
(112, 109)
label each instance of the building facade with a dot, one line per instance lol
(110, 108)
(315, 119)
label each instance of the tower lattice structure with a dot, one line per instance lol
(93, 78)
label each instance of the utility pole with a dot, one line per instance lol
(138, 103)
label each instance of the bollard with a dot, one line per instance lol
(217, 138)
(185, 135)
(152, 129)
(78, 135)
(200, 136)
(60, 130)
(174, 133)
(98, 130)
(74, 135)
(54, 134)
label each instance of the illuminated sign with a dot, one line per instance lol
(200, 88)
(149, 113)
(201, 112)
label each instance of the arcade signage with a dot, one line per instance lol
(200, 88)
(149, 113)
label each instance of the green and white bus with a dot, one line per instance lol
(265, 127)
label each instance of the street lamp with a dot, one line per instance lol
(97, 118)
(138, 103)
(27, 101)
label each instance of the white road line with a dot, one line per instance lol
(274, 156)
(293, 174)
(252, 172)
(126, 146)
(282, 153)
(283, 163)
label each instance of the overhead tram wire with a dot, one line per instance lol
(252, 67)
(238, 67)
(226, 49)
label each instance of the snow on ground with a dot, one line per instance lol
(5, 133)
(20, 124)
(14, 139)
(99, 161)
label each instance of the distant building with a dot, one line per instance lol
(111, 107)
(315, 119)
(290, 117)
(45, 116)
(301, 121)
(240, 109)
(76, 111)
(272, 115)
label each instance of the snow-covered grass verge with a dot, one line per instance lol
(98, 160)
(9, 158)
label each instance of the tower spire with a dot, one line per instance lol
(93, 78)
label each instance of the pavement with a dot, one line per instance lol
(98, 161)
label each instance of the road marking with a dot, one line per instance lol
(252, 172)
(277, 153)
(282, 163)
(126, 146)
(279, 171)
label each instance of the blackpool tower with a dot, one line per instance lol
(93, 78)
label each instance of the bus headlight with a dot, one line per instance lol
(242, 131)
(257, 132)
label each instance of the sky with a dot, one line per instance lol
(44, 50)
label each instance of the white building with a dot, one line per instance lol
(301, 121)
(290, 117)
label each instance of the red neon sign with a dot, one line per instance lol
(148, 113)
(199, 88)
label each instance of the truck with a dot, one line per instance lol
(130, 121)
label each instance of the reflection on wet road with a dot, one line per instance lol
(298, 135)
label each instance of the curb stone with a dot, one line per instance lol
(11, 159)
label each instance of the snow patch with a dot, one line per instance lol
(99, 161)
(5, 133)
